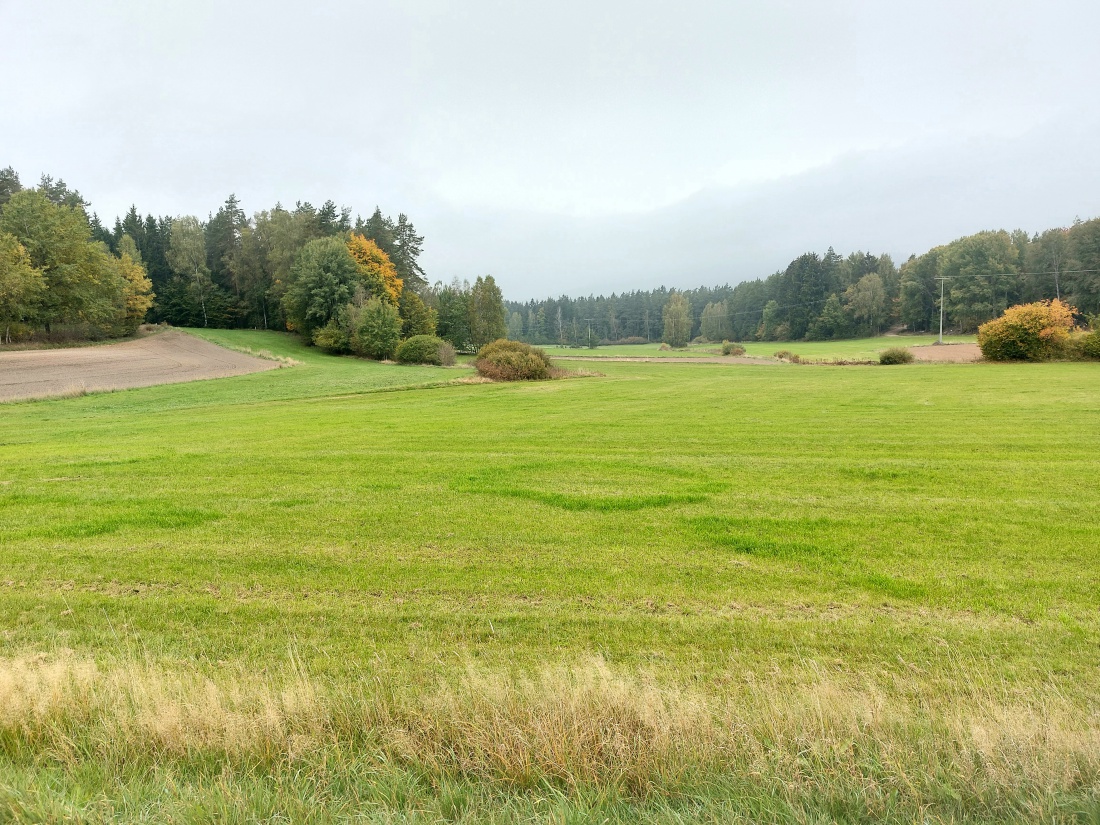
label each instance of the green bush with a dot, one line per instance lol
(504, 360)
(1088, 346)
(730, 348)
(332, 337)
(895, 355)
(422, 349)
(376, 329)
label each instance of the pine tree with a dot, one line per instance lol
(9, 184)
(406, 252)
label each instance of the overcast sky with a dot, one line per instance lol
(573, 147)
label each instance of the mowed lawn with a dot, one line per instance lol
(914, 530)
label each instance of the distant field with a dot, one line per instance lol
(860, 349)
(674, 593)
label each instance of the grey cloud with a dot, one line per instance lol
(571, 145)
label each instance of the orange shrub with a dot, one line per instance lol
(1028, 332)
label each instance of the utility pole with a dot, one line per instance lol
(1057, 288)
(590, 320)
(941, 279)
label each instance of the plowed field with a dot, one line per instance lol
(165, 358)
(948, 353)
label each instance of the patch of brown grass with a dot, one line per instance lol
(472, 379)
(581, 725)
(74, 390)
(579, 372)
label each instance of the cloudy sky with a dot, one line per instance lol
(573, 147)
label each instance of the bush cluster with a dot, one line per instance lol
(1028, 332)
(787, 355)
(1088, 346)
(895, 355)
(730, 348)
(372, 330)
(504, 360)
(425, 349)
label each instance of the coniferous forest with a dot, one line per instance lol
(830, 296)
(316, 271)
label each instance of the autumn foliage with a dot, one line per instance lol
(375, 268)
(137, 292)
(1028, 332)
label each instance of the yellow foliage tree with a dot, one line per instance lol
(376, 270)
(138, 291)
(1028, 332)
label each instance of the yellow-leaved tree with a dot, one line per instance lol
(375, 268)
(138, 290)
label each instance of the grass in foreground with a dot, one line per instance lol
(677, 593)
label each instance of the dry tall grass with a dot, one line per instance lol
(578, 726)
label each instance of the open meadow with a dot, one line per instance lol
(345, 591)
(856, 349)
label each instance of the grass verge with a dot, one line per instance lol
(873, 752)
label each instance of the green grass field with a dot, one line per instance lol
(860, 349)
(673, 593)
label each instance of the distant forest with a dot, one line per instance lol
(822, 297)
(60, 266)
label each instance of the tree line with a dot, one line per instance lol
(307, 269)
(822, 297)
(55, 275)
(232, 270)
(315, 271)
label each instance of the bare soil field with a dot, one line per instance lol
(164, 358)
(948, 353)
